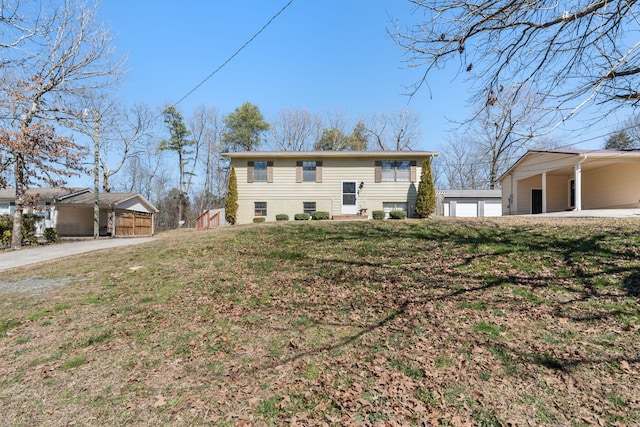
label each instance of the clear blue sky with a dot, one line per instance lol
(320, 55)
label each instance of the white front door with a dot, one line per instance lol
(349, 197)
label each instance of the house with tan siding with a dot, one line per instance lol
(343, 183)
(70, 211)
(560, 180)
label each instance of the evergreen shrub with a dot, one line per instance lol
(397, 214)
(51, 235)
(320, 215)
(231, 200)
(282, 217)
(259, 219)
(6, 238)
(302, 217)
(426, 197)
(378, 215)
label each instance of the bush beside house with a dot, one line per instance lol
(28, 228)
(426, 198)
(231, 201)
(318, 215)
(397, 214)
(378, 215)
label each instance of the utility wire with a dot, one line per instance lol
(264, 27)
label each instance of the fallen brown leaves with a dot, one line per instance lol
(382, 323)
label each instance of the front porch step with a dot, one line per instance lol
(349, 217)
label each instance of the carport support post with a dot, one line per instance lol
(544, 192)
(578, 189)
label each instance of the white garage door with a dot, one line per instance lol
(492, 208)
(467, 209)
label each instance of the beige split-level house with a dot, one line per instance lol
(342, 183)
(554, 181)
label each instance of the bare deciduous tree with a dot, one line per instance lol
(295, 130)
(122, 133)
(133, 132)
(16, 26)
(206, 128)
(394, 131)
(459, 166)
(69, 58)
(574, 52)
(146, 174)
(504, 126)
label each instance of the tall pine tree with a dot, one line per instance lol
(231, 202)
(426, 198)
(178, 142)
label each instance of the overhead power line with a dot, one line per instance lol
(214, 72)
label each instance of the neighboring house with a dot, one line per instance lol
(343, 183)
(554, 181)
(469, 203)
(70, 211)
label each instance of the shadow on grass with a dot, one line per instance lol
(441, 257)
(588, 258)
(632, 283)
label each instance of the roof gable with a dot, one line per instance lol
(117, 200)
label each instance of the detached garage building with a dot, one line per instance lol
(469, 203)
(70, 211)
(121, 215)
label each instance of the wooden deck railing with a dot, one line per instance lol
(208, 219)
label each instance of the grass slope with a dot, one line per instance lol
(443, 322)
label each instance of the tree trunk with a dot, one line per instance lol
(16, 233)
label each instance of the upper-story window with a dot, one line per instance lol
(308, 171)
(261, 171)
(395, 171)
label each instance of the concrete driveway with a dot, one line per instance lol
(593, 213)
(37, 254)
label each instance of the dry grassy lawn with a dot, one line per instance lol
(437, 322)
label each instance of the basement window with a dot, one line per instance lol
(260, 209)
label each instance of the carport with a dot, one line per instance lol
(572, 180)
(121, 215)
